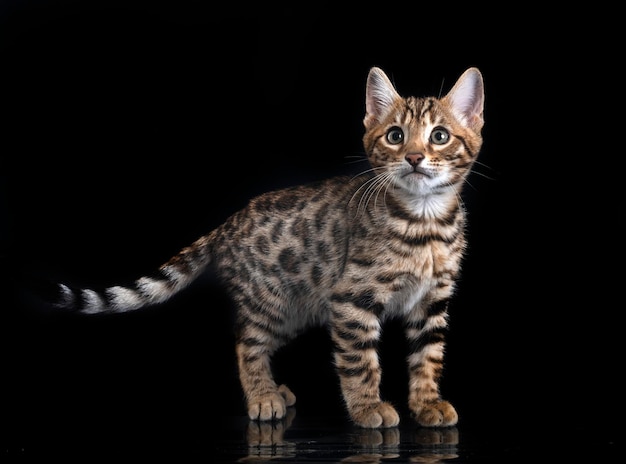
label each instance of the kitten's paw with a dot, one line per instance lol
(266, 407)
(376, 415)
(272, 405)
(438, 413)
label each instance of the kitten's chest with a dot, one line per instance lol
(424, 262)
(424, 247)
(408, 260)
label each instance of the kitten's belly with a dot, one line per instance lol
(304, 313)
(407, 298)
(293, 300)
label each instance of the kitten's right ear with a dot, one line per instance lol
(380, 95)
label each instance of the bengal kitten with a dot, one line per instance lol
(347, 253)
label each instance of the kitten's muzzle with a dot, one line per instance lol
(415, 159)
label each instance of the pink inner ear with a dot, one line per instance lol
(380, 94)
(466, 97)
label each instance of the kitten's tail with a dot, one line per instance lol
(173, 276)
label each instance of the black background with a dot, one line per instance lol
(131, 128)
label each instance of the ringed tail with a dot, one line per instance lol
(172, 277)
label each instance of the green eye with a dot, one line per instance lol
(395, 135)
(439, 136)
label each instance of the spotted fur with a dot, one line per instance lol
(345, 253)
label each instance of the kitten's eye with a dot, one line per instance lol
(439, 136)
(395, 135)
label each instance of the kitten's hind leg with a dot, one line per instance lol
(290, 398)
(265, 400)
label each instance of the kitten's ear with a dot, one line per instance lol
(380, 96)
(467, 98)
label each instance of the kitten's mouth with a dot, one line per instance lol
(417, 171)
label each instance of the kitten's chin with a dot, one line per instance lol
(418, 174)
(417, 183)
(416, 186)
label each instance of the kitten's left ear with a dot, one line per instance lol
(380, 96)
(467, 98)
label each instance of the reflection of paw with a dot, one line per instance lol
(375, 445)
(266, 440)
(437, 444)
(374, 458)
(435, 414)
(375, 415)
(437, 437)
(271, 406)
(369, 438)
(269, 433)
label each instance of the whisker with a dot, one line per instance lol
(371, 187)
(368, 171)
(379, 186)
(364, 185)
(457, 194)
(441, 88)
(470, 184)
(351, 159)
(483, 164)
(482, 175)
(380, 183)
(389, 178)
(360, 155)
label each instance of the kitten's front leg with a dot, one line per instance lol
(427, 342)
(355, 332)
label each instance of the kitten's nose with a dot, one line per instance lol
(414, 158)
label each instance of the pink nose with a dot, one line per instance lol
(414, 158)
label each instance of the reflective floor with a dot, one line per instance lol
(329, 440)
(300, 439)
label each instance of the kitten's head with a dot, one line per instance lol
(423, 145)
